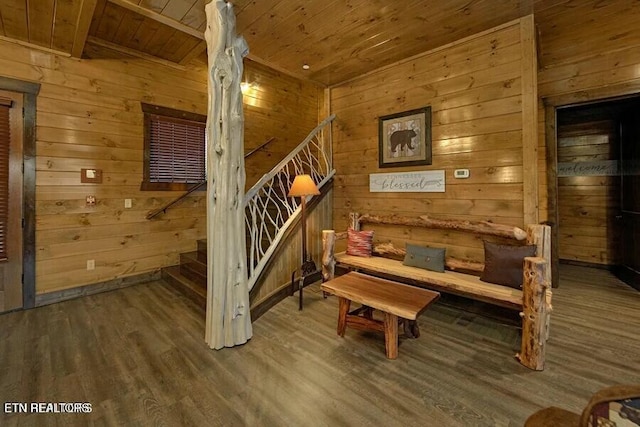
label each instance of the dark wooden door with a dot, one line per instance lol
(630, 198)
(11, 201)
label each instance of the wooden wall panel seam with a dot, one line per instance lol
(529, 120)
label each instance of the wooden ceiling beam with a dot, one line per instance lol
(194, 53)
(158, 18)
(134, 53)
(35, 46)
(83, 23)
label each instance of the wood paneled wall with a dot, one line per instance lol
(588, 51)
(89, 116)
(588, 205)
(482, 94)
(280, 106)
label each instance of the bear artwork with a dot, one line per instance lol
(402, 139)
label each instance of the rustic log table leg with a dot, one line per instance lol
(391, 335)
(343, 310)
(367, 312)
(411, 329)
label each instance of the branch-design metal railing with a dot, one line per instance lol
(268, 210)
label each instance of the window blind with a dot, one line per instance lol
(177, 150)
(5, 142)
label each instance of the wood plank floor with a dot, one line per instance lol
(138, 356)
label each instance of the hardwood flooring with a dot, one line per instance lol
(138, 356)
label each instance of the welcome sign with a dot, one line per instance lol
(407, 182)
(594, 168)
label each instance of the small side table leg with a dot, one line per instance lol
(411, 329)
(415, 329)
(343, 310)
(391, 335)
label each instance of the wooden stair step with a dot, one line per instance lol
(193, 268)
(190, 289)
(202, 250)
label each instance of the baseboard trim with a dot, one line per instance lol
(628, 276)
(95, 288)
(270, 301)
(285, 290)
(587, 264)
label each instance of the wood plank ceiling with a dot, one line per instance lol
(338, 39)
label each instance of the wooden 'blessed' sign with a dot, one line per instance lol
(407, 182)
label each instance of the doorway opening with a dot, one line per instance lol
(597, 212)
(11, 104)
(24, 94)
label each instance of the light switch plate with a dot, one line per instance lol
(127, 203)
(91, 176)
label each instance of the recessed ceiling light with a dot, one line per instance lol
(305, 66)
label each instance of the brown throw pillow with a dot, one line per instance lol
(504, 264)
(359, 243)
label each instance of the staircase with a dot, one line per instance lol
(190, 277)
(269, 215)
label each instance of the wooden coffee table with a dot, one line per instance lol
(398, 302)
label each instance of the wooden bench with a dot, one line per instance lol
(533, 300)
(399, 303)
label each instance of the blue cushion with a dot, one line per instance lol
(425, 257)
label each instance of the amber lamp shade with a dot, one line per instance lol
(303, 185)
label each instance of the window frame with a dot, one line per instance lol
(171, 114)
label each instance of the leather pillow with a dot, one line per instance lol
(359, 243)
(425, 257)
(504, 264)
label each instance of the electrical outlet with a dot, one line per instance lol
(127, 203)
(91, 264)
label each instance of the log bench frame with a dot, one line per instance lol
(533, 301)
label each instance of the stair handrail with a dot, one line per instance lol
(164, 208)
(260, 147)
(266, 177)
(313, 156)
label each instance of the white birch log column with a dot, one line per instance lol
(228, 321)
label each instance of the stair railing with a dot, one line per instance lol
(268, 210)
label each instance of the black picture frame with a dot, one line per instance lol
(404, 139)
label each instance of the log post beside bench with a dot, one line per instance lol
(536, 311)
(536, 299)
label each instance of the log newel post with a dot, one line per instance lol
(536, 299)
(228, 320)
(328, 254)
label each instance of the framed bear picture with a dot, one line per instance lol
(405, 138)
